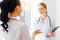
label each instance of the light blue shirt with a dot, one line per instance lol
(44, 27)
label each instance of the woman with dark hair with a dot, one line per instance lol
(13, 28)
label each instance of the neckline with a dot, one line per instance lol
(15, 18)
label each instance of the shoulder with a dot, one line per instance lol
(16, 23)
(37, 19)
(52, 19)
(23, 25)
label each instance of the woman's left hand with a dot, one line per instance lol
(51, 34)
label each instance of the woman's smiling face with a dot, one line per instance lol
(42, 8)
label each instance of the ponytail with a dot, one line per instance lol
(4, 15)
(6, 7)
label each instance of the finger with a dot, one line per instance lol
(38, 30)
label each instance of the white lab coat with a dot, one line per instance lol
(44, 27)
(17, 30)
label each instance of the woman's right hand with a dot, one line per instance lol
(37, 32)
(51, 34)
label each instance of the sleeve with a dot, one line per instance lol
(34, 26)
(25, 33)
(52, 25)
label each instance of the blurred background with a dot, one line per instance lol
(30, 13)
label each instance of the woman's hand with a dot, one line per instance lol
(37, 32)
(51, 34)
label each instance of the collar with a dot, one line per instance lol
(15, 18)
(41, 19)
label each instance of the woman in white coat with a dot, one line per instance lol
(13, 28)
(43, 25)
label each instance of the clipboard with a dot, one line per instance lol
(55, 29)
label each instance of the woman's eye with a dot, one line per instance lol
(41, 8)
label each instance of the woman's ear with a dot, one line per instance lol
(46, 10)
(18, 9)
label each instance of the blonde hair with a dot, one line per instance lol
(44, 5)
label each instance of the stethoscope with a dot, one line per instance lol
(49, 22)
(48, 18)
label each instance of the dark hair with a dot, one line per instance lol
(6, 7)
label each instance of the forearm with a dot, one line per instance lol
(33, 37)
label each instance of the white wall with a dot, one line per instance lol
(0, 0)
(54, 11)
(0, 8)
(26, 11)
(57, 17)
(50, 7)
(57, 8)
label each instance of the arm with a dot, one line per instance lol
(33, 37)
(35, 33)
(51, 28)
(36, 30)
